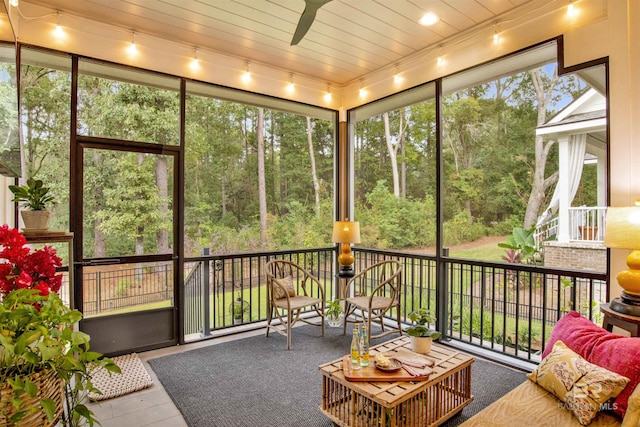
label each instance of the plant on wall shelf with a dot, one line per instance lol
(33, 196)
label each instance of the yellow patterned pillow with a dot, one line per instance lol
(583, 386)
(287, 282)
(557, 372)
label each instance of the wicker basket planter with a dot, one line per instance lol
(49, 386)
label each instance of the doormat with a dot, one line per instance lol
(134, 377)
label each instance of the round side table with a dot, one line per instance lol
(623, 321)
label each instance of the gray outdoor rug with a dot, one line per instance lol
(257, 382)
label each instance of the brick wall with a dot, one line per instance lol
(576, 255)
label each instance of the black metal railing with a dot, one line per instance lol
(109, 291)
(511, 309)
(506, 308)
(227, 290)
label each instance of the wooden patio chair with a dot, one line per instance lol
(374, 292)
(291, 289)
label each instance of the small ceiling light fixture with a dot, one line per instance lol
(397, 78)
(496, 36)
(246, 77)
(363, 91)
(291, 87)
(13, 3)
(440, 59)
(133, 49)
(195, 62)
(58, 31)
(571, 9)
(327, 96)
(428, 19)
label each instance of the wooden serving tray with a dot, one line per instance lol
(371, 374)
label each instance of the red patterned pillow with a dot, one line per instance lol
(614, 352)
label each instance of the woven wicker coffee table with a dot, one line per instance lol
(392, 403)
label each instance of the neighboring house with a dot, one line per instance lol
(573, 236)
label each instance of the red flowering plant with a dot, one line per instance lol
(24, 268)
(38, 335)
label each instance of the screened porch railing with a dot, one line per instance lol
(222, 291)
(505, 308)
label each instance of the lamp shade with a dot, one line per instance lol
(346, 232)
(623, 228)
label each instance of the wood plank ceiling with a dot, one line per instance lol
(348, 39)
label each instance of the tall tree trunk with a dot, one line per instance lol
(262, 195)
(223, 195)
(139, 251)
(540, 184)
(139, 244)
(393, 149)
(99, 246)
(403, 168)
(316, 183)
(162, 235)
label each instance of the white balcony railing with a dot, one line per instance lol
(587, 223)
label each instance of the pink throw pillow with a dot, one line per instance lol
(614, 352)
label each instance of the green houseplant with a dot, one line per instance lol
(239, 310)
(420, 334)
(334, 313)
(35, 198)
(42, 355)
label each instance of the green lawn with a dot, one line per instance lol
(488, 251)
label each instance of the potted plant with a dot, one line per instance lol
(35, 198)
(420, 334)
(45, 363)
(334, 313)
(239, 309)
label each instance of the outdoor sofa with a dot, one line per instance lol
(565, 403)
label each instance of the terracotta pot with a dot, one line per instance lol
(588, 232)
(35, 220)
(421, 345)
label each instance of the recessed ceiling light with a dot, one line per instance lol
(428, 18)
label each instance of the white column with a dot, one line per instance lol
(563, 189)
(599, 150)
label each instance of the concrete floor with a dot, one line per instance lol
(151, 406)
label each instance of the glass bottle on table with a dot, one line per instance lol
(355, 350)
(364, 347)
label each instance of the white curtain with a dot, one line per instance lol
(577, 150)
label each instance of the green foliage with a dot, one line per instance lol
(334, 309)
(462, 228)
(488, 157)
(37, 334)
(34, 196)
(523, 338)
(505, 227)
(390, 222)
(523, 242)
(421, 318)
(475, 323)
(121, 288)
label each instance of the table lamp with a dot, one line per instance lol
(346, 232)
(623, 232)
